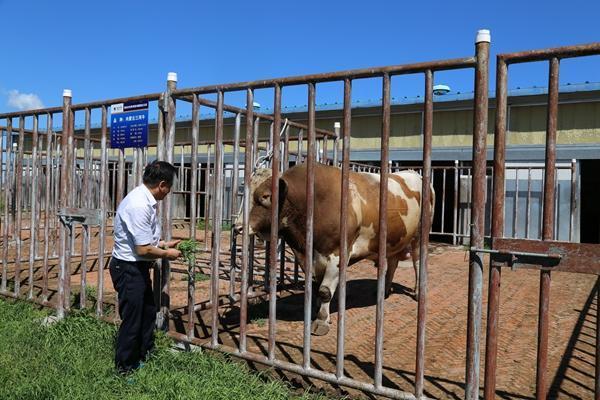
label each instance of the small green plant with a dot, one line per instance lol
(200, 276)
(188, 249)
(260, 322)
(203, 223)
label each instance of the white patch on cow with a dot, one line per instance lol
(284, 221)
(357, 201)
(360, 247)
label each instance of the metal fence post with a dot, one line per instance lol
(480, 120)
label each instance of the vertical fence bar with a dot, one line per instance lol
(528, 211)
(2, 176)
(573, 200)
(246, 219)
(274, 219)
(477, 214)
(8, 190)
(455, 205)
(217, 219)
(343, 226)
(597, 372)
(33, 224)
(235, 187)
(382, 251)
(286, 148)
(63, 202)
(425, 223)
(299, 157)
(310, 211)
(548, 227)
(165, 267)
(19, 204)
(193, 200)
(497, 230)
(103, 209)
(47, 204)
(516, 206)
(86, 204)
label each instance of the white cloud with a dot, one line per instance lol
(24, 101)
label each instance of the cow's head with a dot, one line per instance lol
(260, 204)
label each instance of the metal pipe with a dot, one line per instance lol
(300, 157)
(47, 202)
(217, 219)
(499, 192)
(310, 212)
(246, 221)
(516, 205)
(193, 198)
(235, 187)
(33, 224)
(339, 373)
(528, 212)
(455, 221)
(86, 195)
(103, 210)
(19, 204)
(382, 250)
(425, 223)
(548, 228)
(477, 214)
(573, 200)
(276, 129)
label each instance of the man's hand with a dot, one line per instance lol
(173, 254)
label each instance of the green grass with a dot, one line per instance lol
(202, 223)
(73, 359)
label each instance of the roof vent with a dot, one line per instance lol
(441, 89)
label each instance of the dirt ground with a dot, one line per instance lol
(572, 335)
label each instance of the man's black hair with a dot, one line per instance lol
(158, 171)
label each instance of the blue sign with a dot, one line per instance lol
(129, 124)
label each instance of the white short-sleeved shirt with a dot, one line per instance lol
(136, 224)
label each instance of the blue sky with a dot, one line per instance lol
(110, 49)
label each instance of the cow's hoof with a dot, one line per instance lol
(319, 327)
(324, 294)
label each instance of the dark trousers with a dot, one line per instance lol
(137, 310)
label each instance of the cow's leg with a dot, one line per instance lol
(392, 264)
(320, 325)
(414, 244)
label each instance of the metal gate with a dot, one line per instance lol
(545, 255)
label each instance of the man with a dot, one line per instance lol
(136, 245)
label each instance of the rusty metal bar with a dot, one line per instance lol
(165, 267)
(457, 63)
(2, 174)
(310, 212)
(548, 228)
(425, 223)
(47, 203)
(382, 250)
(455, 215)
(443, 230)
(64, 249)
(217, 219)
(255, 142)
(516, 205)
(103, 209)
(477, 213)
(497, 229)
(7, 200)
(246, 220)
(286, 148)
(573, 200)
(557, 52)
(193, 226)
(528, 212)
(234, 203)
(19, 205)
(344, 256)
(275, 138)
(86, 195)
(207, 196)
(33, 224)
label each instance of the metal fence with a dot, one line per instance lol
(62, 195)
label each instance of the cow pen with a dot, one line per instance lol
(61, 185)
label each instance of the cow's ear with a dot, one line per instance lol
(283, 189)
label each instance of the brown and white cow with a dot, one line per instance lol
(403, 221)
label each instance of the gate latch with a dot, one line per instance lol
(82, 216)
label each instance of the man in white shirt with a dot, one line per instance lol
(136, 245)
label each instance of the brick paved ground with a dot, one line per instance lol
(572, 330)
